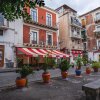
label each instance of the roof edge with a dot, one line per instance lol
(89, 11)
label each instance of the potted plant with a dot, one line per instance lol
(88, 70)
(22, 80)
(46, 74)
(79, 64)
(96, 66)
(64, 66)
(84, 60)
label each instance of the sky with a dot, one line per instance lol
(81, 6)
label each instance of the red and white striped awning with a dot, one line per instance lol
(42, 52)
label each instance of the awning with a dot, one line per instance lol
(42, 52)
(27, 52)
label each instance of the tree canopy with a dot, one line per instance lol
(14, 9)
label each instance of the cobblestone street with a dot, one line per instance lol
(57, 89)
(8, 79)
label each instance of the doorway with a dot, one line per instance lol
(1, 55)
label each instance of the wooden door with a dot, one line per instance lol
(1, 55)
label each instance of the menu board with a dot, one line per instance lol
(1, 55)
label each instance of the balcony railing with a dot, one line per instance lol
(75, 22)
(53, 27)
(3, 23)
(76, 36)
(78, 47)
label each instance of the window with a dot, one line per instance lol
(84, 44)
(1, 32)
(72, 40)
(78, 31)
(98, 27)
(97, 16)
(33, 37)
(72, 29)
(34, 14)
(48, 20)
(78, 42)
(49, 39)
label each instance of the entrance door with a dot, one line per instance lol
(1, 55)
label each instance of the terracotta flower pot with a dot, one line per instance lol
(88, 70)
(21, 82)
(46, 77)
(64, 74)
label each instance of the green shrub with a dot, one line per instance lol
(96, 65)
(65, 65)
(24, 71)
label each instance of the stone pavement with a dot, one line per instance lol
(57, 89)
(8, 79)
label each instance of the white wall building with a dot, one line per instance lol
(11, 35)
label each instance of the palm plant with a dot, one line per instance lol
(65, 65)
(79, 62)
(46, 63)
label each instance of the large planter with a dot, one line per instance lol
(78, 72)
(21, 82)
(46, 77)
(88, 70)
(95, 69)
(64, 74)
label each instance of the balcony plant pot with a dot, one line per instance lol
(64, 66)
(64, 74)
(21, 82)
(46, 77)
(88, 70)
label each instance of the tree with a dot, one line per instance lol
(14, 9)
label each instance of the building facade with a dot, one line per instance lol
(70, 32)
(42, 29)
(91, 24)
(11, 35)
(41, 32)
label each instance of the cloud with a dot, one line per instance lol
(81, 6)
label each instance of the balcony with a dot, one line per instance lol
(76, 36)
(75, 22)
(77, 46)
(53, 27)
(97, 32)
(83, 35)
(3, 23)
(97, 19)
(41, 44)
